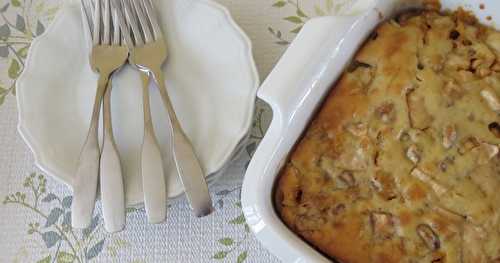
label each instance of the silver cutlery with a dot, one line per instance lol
(108, 55)
(148, 52)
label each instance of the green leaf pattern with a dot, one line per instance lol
(299, 15)
(65, 257)
(63, 243)
(50, 238)
(54, 216)
(94, 250)
(20, 22)
(46, 259)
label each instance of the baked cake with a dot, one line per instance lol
(401, 163)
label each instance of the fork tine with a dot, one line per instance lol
(121, 22)
(116, 39)
(107, 23)
(132, 21)
(87, 15)
(96, 34)
(116, 28)
(139, 5)
(153, 19)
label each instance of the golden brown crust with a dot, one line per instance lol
(402, 164)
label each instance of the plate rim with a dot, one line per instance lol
(40, 159)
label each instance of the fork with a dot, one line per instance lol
(107, 55)
(148, 52)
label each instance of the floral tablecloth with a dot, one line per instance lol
(34, 213)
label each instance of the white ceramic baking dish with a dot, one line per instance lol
(296, 87)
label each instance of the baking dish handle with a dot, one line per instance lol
(285, 85)
(311, 52)
(281, 86)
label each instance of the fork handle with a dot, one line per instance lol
(111, 180)
(188, 165)
(153, 178)
(85, 184)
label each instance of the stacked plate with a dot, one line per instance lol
(210, 75)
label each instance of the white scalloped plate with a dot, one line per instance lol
(210, 74)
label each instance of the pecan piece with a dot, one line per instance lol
(492, 99)
(449, 136)
(413, 153)
(347, 178)
(428, 236)
(382, 225)
(458, 62)
(496, 67)
(438, 188)
(486, 153)
(453, 91)
(467, 144)
(494, 128)
(443, 165)
(386, 112)
(493, 40)
(357, 129)
(385, 185)
(337, 210)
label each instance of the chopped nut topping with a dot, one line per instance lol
(357, 64)
(344, 179)
(492, 99)
(451, 215)
(473, 238)
(454, 34)
(453, 91)
(384, 185)
(386, 112)
(394, 23)
(484, 57)
(420, 118)
(357, 129)
(428, 236)
(347, 178)
(310, 222)
(327, 165)
(438, 188)
(443, 165)
(467, 144)
(382, 225)
(496, 67)
(486, 153)
(413, 153)
(403, 136)
(483, 72)
(465, 76)
(304, 209)
(457, 62)
(337, 210)
(476, 63)
(415, 134)
(449, 136)
(493, 40)
(494, 128)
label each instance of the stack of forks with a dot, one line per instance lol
(121, 31)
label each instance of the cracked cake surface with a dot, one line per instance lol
(401, 163)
